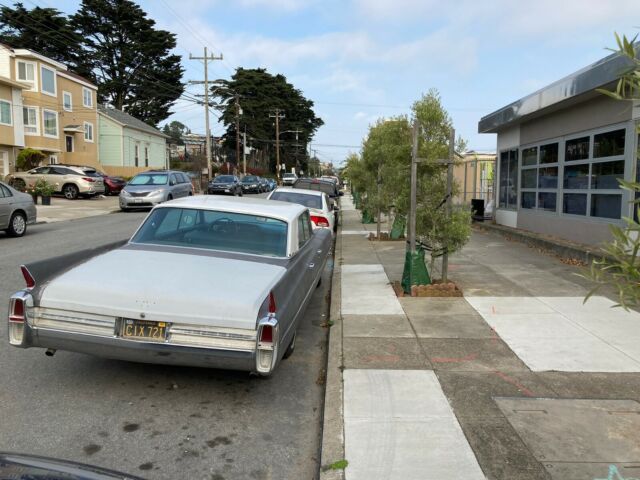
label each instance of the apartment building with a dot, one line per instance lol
(51, 109)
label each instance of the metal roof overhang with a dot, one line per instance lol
(578, 86)
(73, 129)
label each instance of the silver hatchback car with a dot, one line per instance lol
(150, 188)
(16, 210)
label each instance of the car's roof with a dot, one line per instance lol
(315, 193)
(252, 206)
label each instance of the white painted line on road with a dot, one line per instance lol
(563, 334)
(366, 291)
(399, 425)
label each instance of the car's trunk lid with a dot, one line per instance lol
(166, 286)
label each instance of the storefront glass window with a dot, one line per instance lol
(576, 149)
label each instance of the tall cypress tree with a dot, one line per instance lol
(44, 30)
(130, 59)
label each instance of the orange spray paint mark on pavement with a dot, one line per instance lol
(525, 391)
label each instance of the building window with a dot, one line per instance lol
(30, 121)
(87, 97)
(88, 132)
(606, 206)
(538, 176)
(50, 122)
(576, 177)
(605, 175)
(508, 186)
(67, 101)
(609, 144)
(136, 151)
(574, 203)
(146, 156)
(576, 149)
(48, 79)
(5, 113)
(27, 72)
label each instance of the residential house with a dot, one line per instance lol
(129, 145)
(473, 172)
(11, 131)
(562, 150)
(55, 111)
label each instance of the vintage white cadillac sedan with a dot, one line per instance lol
(204, 281)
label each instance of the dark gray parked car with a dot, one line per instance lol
(16, 210)
(225, 185)
(150, 188)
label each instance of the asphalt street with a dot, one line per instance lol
(151, 420)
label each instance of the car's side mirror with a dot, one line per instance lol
(171, 183)
(341, 193)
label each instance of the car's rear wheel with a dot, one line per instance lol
(17, 225)
(169, 197)
(70, 191)
(292, 346)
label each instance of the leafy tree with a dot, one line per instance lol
(29, 158)
(620, 268)
(43, 30)
(176, 130)
(259, 93)
(130, 58)
(432, 225)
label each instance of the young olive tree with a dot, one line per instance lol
(438, 231)
(619, 267)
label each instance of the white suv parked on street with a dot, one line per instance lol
(289, 179)
(70, 180)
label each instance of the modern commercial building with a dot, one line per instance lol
(561, 151)
(128, 145)
(49, 108)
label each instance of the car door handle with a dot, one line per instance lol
(311, 265)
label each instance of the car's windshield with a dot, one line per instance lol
(306, 200)
(250, 179)
(289, 175)
(223, 179)
(214, 230)
(149, 179)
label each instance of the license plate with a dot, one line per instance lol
(144, 329)
(137, 200)
(226, 190)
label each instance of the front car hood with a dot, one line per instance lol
(205, 288)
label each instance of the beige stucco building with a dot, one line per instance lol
(45, 106)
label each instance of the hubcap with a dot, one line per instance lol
(19, 224)
(69, 192)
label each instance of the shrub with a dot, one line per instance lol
(29, 158)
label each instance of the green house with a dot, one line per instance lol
(128, 145)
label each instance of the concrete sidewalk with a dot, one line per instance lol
(518, 380)
(62, 209)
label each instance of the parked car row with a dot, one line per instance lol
(233, 185)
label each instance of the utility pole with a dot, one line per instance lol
(449, 200)
(277, 115)
(414, 185)
(238, 113)
(244, 151)
(206, 59)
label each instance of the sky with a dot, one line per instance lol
(362, 60)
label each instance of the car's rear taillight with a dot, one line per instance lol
(16, 310)
(28, 278)
(319, 221)
(266, 334)
(88, 179)
(272, 304)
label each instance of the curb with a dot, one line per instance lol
(332, 448)
(566, 250)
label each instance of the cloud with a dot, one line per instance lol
(279, 5)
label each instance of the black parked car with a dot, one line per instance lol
(251, 184)
(225, 185)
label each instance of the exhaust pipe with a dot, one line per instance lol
(50, 352)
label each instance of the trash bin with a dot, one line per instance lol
(477, 209)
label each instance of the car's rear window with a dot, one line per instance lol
(223, 179)
(149, 179)
(249, 179)
(214, 230)
(306, 200)
(325, 187)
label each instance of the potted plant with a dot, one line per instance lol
(32, 191)
(45, 190)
